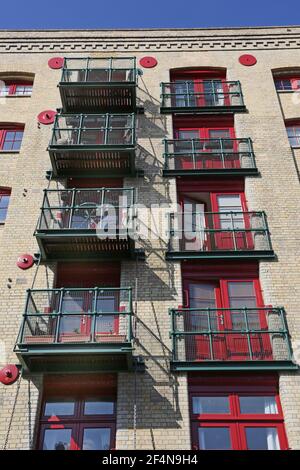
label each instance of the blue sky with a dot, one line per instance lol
(85, 14)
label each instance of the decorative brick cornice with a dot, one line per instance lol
(84, 41)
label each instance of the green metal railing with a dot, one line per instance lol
(231, 231)
(108, 209)
(93, 130)
(241, 334)
(208, 154)
(201, 94)
(67, 315)
(99, 70)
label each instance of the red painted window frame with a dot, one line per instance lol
(9, 128)
(4, 192)
(78, 389)
(242, 239)
(234, 387)
(198, 76)
(89, 275)
(222, 300)
(293, 124)
(292, 78)
(13, 84)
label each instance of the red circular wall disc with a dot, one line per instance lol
(9, 374)
(148, 62)
(56, 62)
(25, 261)
(247, 59)
(47, 116)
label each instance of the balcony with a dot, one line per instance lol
(195, 235)
(69, 330)
(233, 339)
(207, 96)
(86, 224)
(93, 145)
(99, 84)
(196, 157)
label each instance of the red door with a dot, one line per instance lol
(207, 150)
(231, 222)
(245, 294)
(194, 224)
(200, 297)
(79, 324)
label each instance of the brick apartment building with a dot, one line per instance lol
(186, 340)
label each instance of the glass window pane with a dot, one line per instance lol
(57, 439)
(59, 408)
(216, 438)
(210, 405)
(97, 407)
(96, 439)
(258, 405)
(262, 438)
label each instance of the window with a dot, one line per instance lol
(15, 88)
(286, 83)
(4, 201)
(231, 413)
(226, 301)
(77, 422)
(200, 88)
(293, 132)
(11, 138)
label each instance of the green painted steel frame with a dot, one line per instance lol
(92, 351)
(241, 108)
(217, 365)
(193, 154)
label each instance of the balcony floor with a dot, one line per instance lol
(108, 357)
(212, 172)
(92, 161)
(178, 366)
(203, 110)
(76, 244)
(185, 255)
(98, 97)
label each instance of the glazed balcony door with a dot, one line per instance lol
(203, 296)
(194, 224)
(231, 223)
(241, 295)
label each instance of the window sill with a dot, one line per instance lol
(288, 91)
(3, 152)
(15, 96)
(295, 147)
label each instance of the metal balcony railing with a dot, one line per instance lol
(107, 209)
(101, 70)
(94, 130)
(184, 156)
(93, 145)
(199, 95)
(208, 338)
(76, 316)
(227, 233)
(99, 84)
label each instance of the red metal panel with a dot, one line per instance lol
(90, 274)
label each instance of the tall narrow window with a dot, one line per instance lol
(4, 201)
(293, 132)
(11, 138)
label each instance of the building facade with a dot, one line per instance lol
(170, 328)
